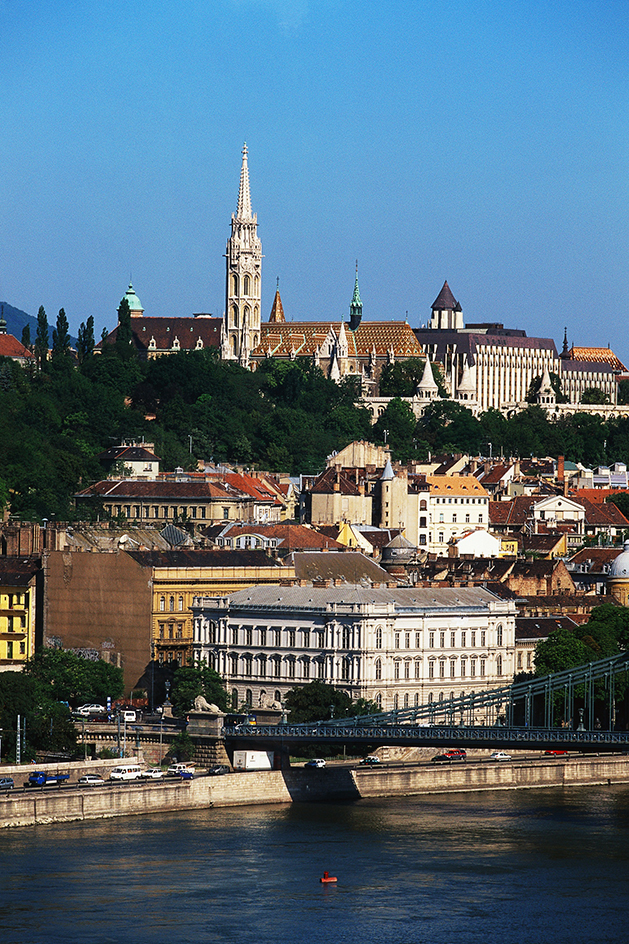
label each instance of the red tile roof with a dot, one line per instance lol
(164, 331)
(11, 347)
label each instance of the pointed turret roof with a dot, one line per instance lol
(388, 472)
(356, 305)
(428, 381)
(277, 311)
(445, 300)
(244, 196)
(466, 383)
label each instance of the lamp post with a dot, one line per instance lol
(1, 730)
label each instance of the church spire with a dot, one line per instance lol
(244, 195)
(277, 311)
(356, 306)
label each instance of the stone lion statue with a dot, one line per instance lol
(202, 704)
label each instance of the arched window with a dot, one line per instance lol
(180, 604)
(499, 636)
(246, 285)
(278, 697)
(171, 604)
(396, 701)
(406, 699)
(234, 284)
(234, 697)
(378, 637)
(249, 698)
(423, 505)
(396, 669)
(378, 668)
(162, 604)
(379, 699)
(499, 665)
(235, 316)
(347, 634)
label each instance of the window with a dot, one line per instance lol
(442, 639)
(431, 640)
(483, 638)
(528, 660)
(306, 639)
(162, 604)
(407, 640)
(452, 640)
(180, 601)
(422, 539)
(463, 667)
(234, 664)
(291, 638)
(10, 650)
(463, 638)
(417, 641)
(234, 635)
(345, 668)
(431, 669)
(248, 698)
(499, 665)
(499, 635)
(225, 513)
(171, 604)
(247, 666)
(467, 519)
(291, 668)
(473, 641)
(519, 660)
(277, 667)
(452, 666)
(473, 668)
(440, 537)
(378, 637)
(278, 638)
(305, 669)
(320, 639)
(482, 667)
(22, 648)
(417, 668)
(422, 523)
(378, 670)
(346, 636)
(179, 630)
(262, 666)
(263, 636)
(321, 669)
(407, 669)
(441, 518)
(248, 636)
(454, 519)
(442, 669)
(396, 669)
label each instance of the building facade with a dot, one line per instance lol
(396, 647)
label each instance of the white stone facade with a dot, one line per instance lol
(398, 647)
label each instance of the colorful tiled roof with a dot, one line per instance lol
(594, 355)
(305, 337)
(455, 485)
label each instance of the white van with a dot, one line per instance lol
(126, 772)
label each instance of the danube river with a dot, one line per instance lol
(532, 866)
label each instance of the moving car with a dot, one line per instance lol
(90, 780)
(6, 783)
(447, 757)
(370, 760)
(218, 769)
(554, 753)
(499, 755)
(316, 762)
(152, 773)
(180, 770)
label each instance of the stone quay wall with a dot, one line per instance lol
(300, 785)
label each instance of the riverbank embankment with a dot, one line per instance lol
(299, 785)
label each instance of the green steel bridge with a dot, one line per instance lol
(575, 709)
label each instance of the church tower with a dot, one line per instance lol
(243, 281)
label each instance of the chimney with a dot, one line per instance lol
(561, 469)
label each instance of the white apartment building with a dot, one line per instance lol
(457, 505)
(398, 647)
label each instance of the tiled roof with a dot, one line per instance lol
(603, 513)
(132, 453)
(291, 537)
(596, 354)
(204, 558)
(514, 512)
(540, 627)
(178, 491)
(18, 571)
(455, 485)
(164, 331)
(277, 311)
(325, 483)
(305, 337)
(596, 557)
(11, 347)
(352, 567)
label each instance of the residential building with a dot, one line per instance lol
(457, 503)
(20, 610)
(398, 647)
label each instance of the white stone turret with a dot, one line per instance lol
(427, 388)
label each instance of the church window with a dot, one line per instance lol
(235, 316)
(234, 284)
(246, 285)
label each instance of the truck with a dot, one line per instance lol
(39, 778)
(253, 760)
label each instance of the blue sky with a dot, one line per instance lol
(480, 142)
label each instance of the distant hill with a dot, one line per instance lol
(16, 320)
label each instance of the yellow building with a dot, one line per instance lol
(178, 576)
(18, 601)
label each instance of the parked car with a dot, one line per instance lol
(316, 762)
(90, 780)
(218, 770)
(370, 760)
(499, 755)
(6, 783)
(554, 753)
(152, 773)
(87, 710)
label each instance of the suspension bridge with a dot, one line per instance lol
(582, 708)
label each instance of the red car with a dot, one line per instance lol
(554, 753)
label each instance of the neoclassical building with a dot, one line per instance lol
(398, 647)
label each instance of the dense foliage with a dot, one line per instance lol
(605, 634)
(320, 702)
(286, 416)
(40, 695)
(198, 679)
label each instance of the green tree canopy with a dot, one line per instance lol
(197, 679)
(42, 340)
(594, 395)
(65, 676)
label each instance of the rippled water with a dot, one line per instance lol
(533, 867)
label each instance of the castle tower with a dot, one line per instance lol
(243, 283)
(356, 306)
(446, 311)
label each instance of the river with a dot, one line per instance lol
(531, 866)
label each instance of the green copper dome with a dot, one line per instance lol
(134, 302)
